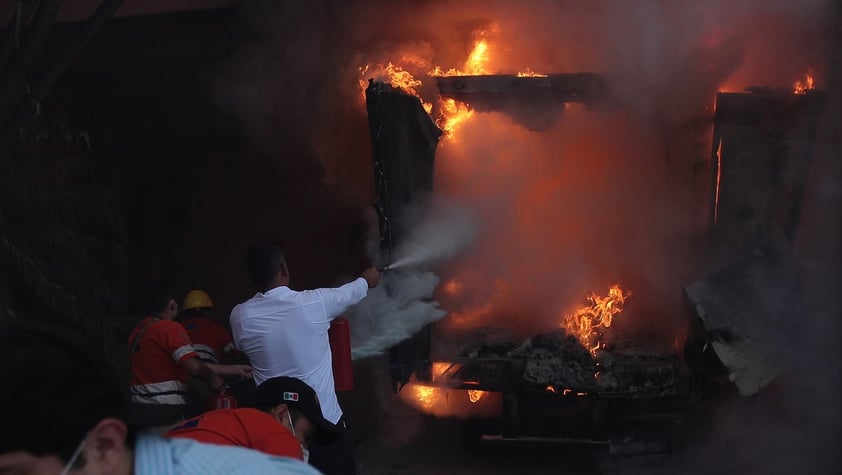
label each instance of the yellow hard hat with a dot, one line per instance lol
(197, 299)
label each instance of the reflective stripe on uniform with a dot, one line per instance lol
(181, 351)
(165, 392)
(206, 353)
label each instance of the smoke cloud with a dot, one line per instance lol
(601, 197)
(402, 304)
(444, 231)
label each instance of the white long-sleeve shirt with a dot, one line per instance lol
(284, 333)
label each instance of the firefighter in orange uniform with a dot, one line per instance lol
(161, 357)
(286, 419)
(210, 339)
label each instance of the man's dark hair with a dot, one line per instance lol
(57, 385)
(157, 297)
(263, 261)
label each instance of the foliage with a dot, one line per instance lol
(58, 243)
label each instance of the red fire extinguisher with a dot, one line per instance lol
(221, 400)
(340, 345)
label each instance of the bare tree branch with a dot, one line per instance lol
(12, 108)
(103, 13)
(15, 72)
(10, 39)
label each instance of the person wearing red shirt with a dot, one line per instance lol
(161, 357)
(210, 339)
(286, 419)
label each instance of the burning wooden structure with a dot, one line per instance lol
(554, 385)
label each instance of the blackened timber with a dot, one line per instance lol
(761, 151)
(533, 101)
(558, 88)
(403, 143)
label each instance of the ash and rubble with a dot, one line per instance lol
(558, 360)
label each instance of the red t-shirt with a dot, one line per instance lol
(209, 338)
(243, 427)
(161, 348)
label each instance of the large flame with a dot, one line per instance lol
(397, 77)
(475, 65)
(451, 114)
(801, 87)
(586, 321)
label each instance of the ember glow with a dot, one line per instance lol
(452, 287)
(530, 74)
(586, 322)
(801, 87)
(718, 176)
(475, 395)
(426, 396)
(439, 368)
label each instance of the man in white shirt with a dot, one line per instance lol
(285, 333)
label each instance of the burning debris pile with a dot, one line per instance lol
(558, 362)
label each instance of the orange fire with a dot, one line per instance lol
(427, 396)
(801, 87)
(475, 65)
(453, 114)
(550, 389)
(718, 177)
(439, 367)
(450, 113)
(397, 77)
(598, 313)
(475, 395)
(530, 74)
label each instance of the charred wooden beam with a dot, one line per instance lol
(534, 102)
(403, 143)
(499, 89)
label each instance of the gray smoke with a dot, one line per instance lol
(402, 304)
(396, 309)
(445, 231)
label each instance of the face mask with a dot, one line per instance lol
(304, 450)
(75, 456)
